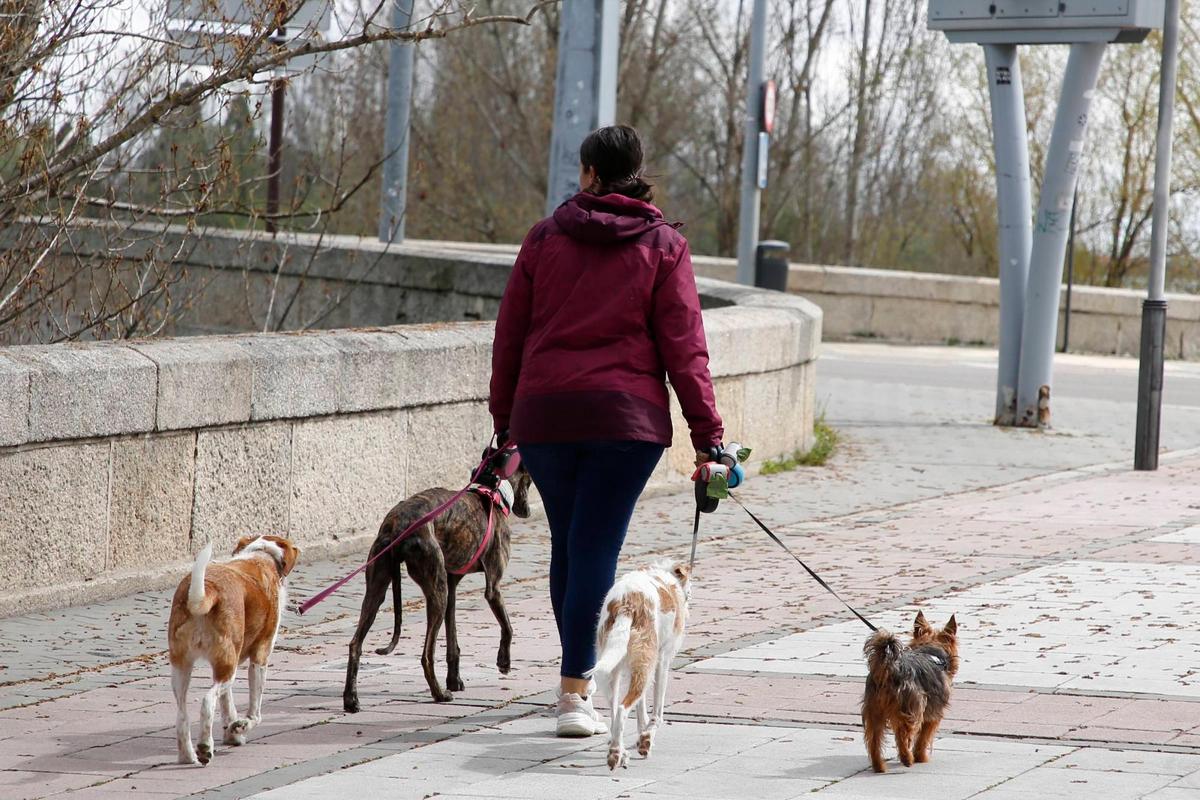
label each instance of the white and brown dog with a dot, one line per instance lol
(225, 614)
(641, 629)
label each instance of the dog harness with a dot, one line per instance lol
(493, 498)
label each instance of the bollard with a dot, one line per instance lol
(771, 265)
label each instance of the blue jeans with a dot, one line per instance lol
(589, 490)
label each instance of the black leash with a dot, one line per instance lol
(695, 538)
(777, 541)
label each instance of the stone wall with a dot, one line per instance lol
(925, 308)
(119, 461)
(224, 281)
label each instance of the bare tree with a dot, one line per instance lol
(106, 121)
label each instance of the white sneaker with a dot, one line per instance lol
(577, 717)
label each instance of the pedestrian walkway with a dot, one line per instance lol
(1074, 581)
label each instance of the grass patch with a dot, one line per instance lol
(818, 455)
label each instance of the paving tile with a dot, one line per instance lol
(1076, 783)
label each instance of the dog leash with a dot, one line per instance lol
(807, 569)
(424, 520)
(695, 538)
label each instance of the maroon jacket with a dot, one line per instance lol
(600, 307)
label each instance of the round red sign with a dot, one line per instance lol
(768, 106)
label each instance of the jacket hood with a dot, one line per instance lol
(604, 219)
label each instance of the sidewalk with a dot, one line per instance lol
(1075, 586)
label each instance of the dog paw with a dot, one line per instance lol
(350, 704)
(921, 758)
(645, 742)
(204, 753)
(189, 758)
(616, 758)
(504, 663)
(455, 684)
(443, 697)
(235, 734)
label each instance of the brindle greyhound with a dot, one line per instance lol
(449, 541)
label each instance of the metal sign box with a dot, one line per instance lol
(1045, 21)
(314, 13)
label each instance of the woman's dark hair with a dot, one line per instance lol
(615, 152)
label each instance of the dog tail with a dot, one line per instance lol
(883, 651)
(631, 641)
(198, 602)
(613, 647)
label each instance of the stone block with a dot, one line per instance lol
(1188, 334)
(243, 478)
(444, 444)
(766, 421)
(294, 375)
(447, 363)
(680, 456)
(731, 402)
(933, 321)
(202, 381)
(53, 514)
(14, 401)
(375, 304)
(375, 369)
(1102, 333)
(150, 506)
(347, 472)
(83, 390)
(844, 316)
(476, 361)
(750, 339)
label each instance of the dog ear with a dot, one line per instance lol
(951, 626)
(243, 542)
(921, 626)
(682, 573)
(291, 554)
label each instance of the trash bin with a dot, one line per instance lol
(771, 265)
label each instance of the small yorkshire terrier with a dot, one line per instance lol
(908, 689)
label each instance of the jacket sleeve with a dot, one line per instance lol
(679, 333)
(512, 326)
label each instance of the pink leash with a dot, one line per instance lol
(426, 518)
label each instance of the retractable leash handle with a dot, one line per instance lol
(726, 466)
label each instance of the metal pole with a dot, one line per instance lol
(1011, 147)
(1050, 234)
(585, 88)
(275, 152)
(749, 206)
(1154, 309)
(393, 200)
(1070, 273)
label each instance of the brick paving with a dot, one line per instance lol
(1063, 575)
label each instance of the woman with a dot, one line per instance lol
(600, 307)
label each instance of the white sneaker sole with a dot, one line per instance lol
(578, 724)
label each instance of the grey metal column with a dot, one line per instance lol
(749, 206)
(1050, 234)
(393, 203)
(1154, 309)
(1011, 147)
(585, 88)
